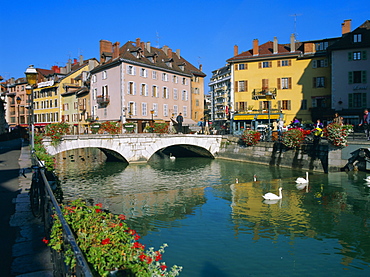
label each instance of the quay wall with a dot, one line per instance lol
(322, 157)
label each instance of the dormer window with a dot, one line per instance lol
(182, 66)
(357, 38)
(169, 62)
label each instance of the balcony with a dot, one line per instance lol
(102, 100)
(264, 93)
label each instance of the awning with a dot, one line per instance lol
(252, 116)
(41, 124)
(188, 122)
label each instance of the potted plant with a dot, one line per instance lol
(251, 137)
(337, 134)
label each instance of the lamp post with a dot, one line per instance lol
(152, 122)
(18, 103)
(268, 98)
(31, 76)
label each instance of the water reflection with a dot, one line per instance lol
(196, 206)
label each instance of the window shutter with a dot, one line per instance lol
(314, 82)
(314, 64)
(237, 106)
(279, 105)
(350, 100)
(134, 88)
(289, 105)
(324, 81)
(289, 62)
(350, 56)
(364, 100)
(236, 86)
(134, 70)
(363, 76)
(259, 65)
(261, 105)
(246, 85)
(236, 67)
(278, 83)
(350, 77)
(246, 65)
(289, 83)
(326, 62)
(364, 55)
(135, 108)
(278, 63)
(270, 64)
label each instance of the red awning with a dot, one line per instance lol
(41, 124)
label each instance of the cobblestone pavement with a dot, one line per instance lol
(23, 235)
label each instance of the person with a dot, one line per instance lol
(337, 119)
(295, 123)
(201, 125)
(365, 123)
(179, 120)
(318, 124)
(171, 128)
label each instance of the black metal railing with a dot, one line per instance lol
(44, 204)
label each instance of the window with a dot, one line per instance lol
(265, 83)
(143, 72)
(104, 91)
(321, 46)
(319, 82)
(284, 83)
(165, 109)
(165, 93)
(196, 90)
(184, 95)
(155, 108)
(241, 66)
(184, 81)
(104, 75)
(284, 105)
(144, 90)
(155, 91)
(94, 78)
(175, 94)
(265, 64)
(175, 109)
(164, 77)
(320, 63)
(241, 86)
(357, 38)
(304, 104)
(56, 103)
(131, 89)
(144, 109)
(174, 79)
(132, 108)
(154, 75)
(197, 102)
(357, 55)
(94, 93)
(285, 63)
(357, 100)
(130, 70)
(357, 77)
(185, 111)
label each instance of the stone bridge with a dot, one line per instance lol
(139, 147)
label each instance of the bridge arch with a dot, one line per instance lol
(135, 147)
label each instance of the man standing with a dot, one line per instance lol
(365, 122)
(179, 120)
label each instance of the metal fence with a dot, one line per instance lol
(44, 204)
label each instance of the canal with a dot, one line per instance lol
(215, 226)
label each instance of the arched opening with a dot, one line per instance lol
(181, 151)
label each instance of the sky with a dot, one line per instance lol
(47, 33)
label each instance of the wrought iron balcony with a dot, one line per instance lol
(264, 93)
(102, 99)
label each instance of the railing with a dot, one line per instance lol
(102, 99)
(44, 205)
(264, 93)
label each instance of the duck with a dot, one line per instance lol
(301, 180)
(172, 157)
(272, 196)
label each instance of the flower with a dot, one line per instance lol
(122, 216)
(44, 240)
(293, 137)
(337, 134)
(251, 137)
(105, 241)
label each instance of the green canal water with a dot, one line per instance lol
(217, 227)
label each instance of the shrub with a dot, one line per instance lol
(337, 134)
(55, 131)
(251, 137)
(110, 127)
(293, 137)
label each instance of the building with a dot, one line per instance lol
(349, 70)
(139, 83)
(221, 96)
(272, 81)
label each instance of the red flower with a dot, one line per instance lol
(138, 245)
(163, 267)
(122, 216)
(142, 257)
(44, 240)
(136, 237)
(105, 241)
(158, 257)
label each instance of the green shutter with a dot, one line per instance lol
(350, 77)
(363, 77)
(350, 100)
(364, 100)
(364, 55)
(350, 56)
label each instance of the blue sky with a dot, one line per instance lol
(47, 33)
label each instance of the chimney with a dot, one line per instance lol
(275, 45)
(91, 64)
(169, 53)
(138, 42)
(68, 67)
(147, 46)
(165, 49)
(292, 43)
(55, 68)
(346, 26)
(236, 50)
(105, 46)
(178, 53)
(309, 47)
(255, 47)
(74, 61)
(81, 59)
(116, 50)
(200, 67)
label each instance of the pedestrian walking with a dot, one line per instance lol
(365, 123)
(338, 119)
(179, 120)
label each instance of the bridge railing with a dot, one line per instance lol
(44, 204)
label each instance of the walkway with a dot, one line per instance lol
(26, 254)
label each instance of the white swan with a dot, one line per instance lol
(367, 179)
(301, 180)
(236, 180)
(255, 178)
(172, 157)
(272, 196)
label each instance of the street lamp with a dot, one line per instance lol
(31, 76)
(268, 98)
(152, 113)
(18, 103)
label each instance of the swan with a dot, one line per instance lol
(367, 179)
(301, 180)
(272, 196)
(236, 180)
(172, 157)
(255, 178)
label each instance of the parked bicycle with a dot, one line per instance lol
(37, 192)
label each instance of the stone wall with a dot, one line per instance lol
(307, 157)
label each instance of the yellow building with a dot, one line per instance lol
(281, 80)
(197, 95)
